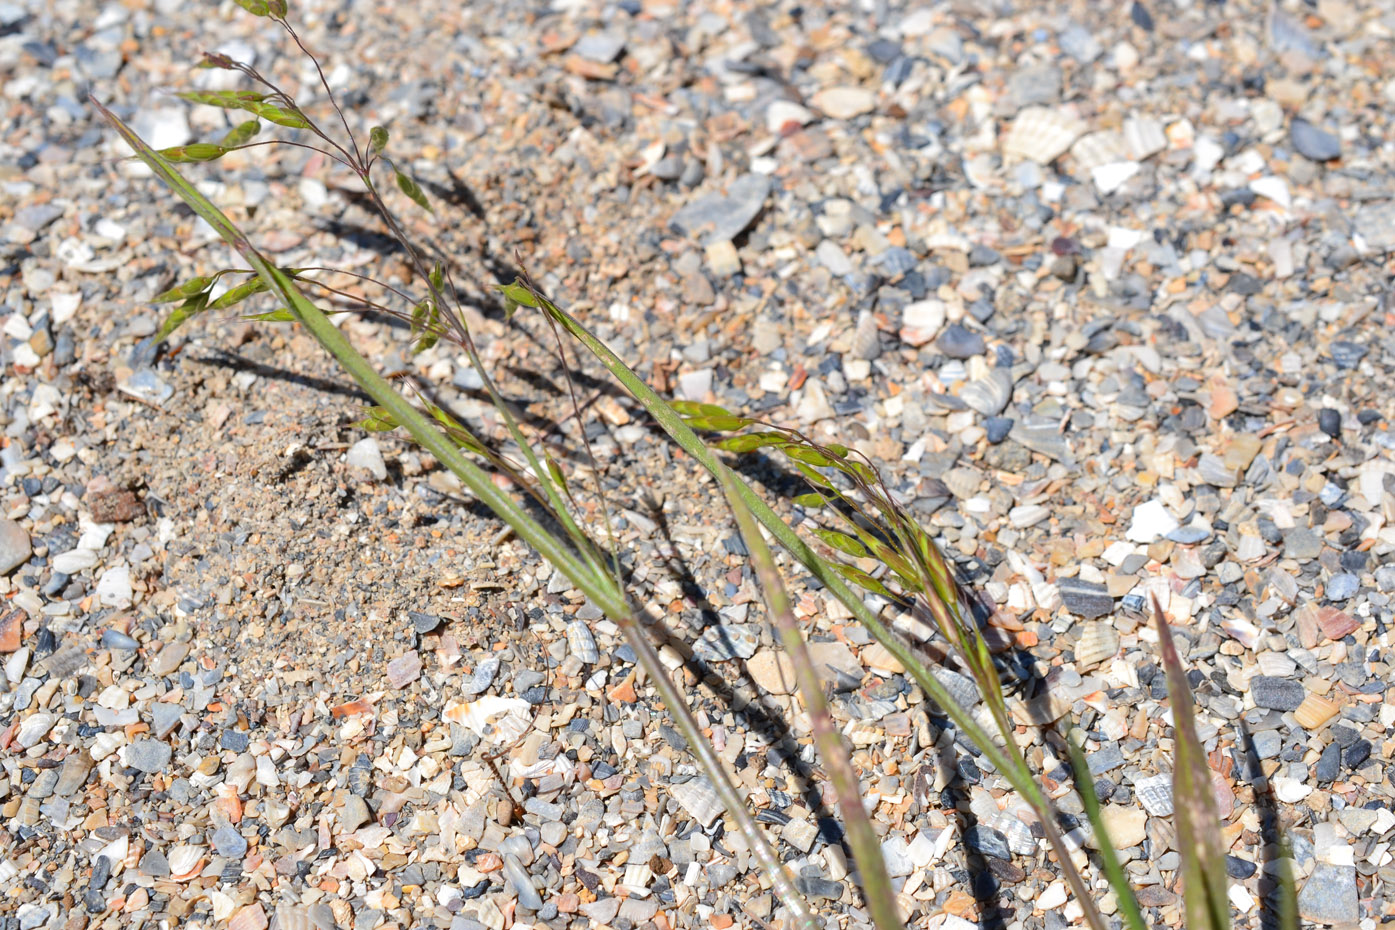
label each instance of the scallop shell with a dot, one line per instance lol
(990, 393)
(1098, 642)
(1019, 836)
(960, 687)
(185, 862)
(581, 643)
(1042, 134)
(963, 483)
(1144, 136)
(1315, 711)
(1155, 794)
(699, 799)
(251, 917)
(866, 341)
(294, 917)
(1100, 148)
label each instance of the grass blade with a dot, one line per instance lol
(1113, 870)
(599, 586)
(1013, 767)
(867, 852)
(1194, 800)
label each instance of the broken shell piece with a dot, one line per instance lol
(699, 799)
(1315, 711)
(496, 719)
(1155, 794)
(1042, 134)
(186, 862)
(581, 643)
(1098, 642)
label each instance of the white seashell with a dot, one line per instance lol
(497, 719)
(1155, 794)
(866, 341)
(699, 799)
(1276, 664)
(184, 862)
(581, 643)
(1028, 515)
(1019, 835)
(989, 394)
(34, 728)
(294, 917)
(1144, 137)
(962, 482)
(1098, 642)
(1042, 134)
(1100, 148)
(921, 322)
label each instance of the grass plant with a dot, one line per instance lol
(861, 518)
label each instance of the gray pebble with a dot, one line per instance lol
(1314, 143)
(988, 842)
(1342, 586)
(724, 217)
(522, 884)
(1330, 896)
(1302, 543)
(229, 842)
(1276, 693)
(149, 755)
(958, 342)
(997, 428)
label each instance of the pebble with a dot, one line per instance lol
(723, 218)
(844, 102)
(149, 755)
(1085, 599)
(1276, 693)
(1330, 895)
(15, 547)
(366, 454)
(959, 342)
(1314, 143)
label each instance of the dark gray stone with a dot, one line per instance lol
(1330, 422)
(1105, 759)
(1313, 143)
(988, 842)
(1276, 693)
(1084, 598)
(997, 428)
(1302, 543)
(958, 342)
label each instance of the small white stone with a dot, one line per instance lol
(1109, 178)
(785, 113)
(1272, 188)
(921, 321)
(114, 587)
(74, 561)
(1151, 521)
(366, 454)
(845, 102)
(1053, 897)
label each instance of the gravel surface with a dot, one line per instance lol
(1104, 287)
